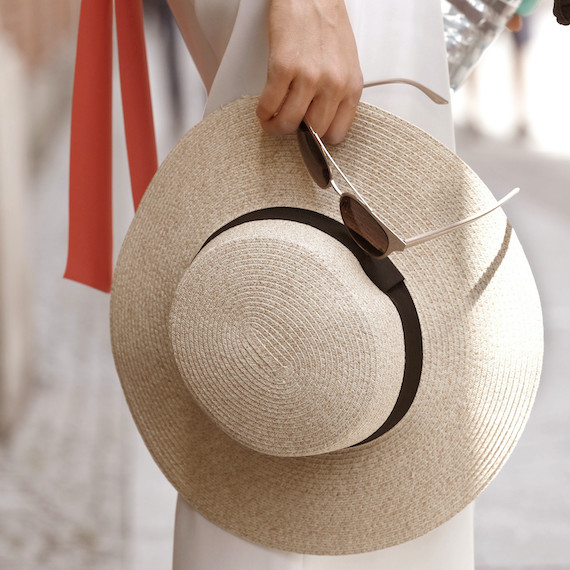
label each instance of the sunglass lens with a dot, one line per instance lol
(313, 157)
(363, 227)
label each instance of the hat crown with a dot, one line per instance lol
(285, 342)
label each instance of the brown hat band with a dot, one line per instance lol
(385, 275)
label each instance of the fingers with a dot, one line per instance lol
(341, 123)
(322, 112)
(284, 102)
(332, 110)
(327, 103)
(274, 94)
(329, 110)
(313, 69)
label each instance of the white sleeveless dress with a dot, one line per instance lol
(395, 38)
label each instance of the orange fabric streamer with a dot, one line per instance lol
(90, 249)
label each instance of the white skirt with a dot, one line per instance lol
(395, 38)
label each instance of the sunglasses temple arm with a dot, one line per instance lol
(436, 233)
(426, 90)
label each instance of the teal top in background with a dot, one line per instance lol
(526, 7)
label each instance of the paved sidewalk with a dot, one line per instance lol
(78, 489)
(522, 521)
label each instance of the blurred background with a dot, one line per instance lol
(77, 487)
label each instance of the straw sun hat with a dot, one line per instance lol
(257, 365)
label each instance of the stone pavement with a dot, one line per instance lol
(65, 496)
(79, 490)
(522, 521)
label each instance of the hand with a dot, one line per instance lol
(313, 70)
(515, 23)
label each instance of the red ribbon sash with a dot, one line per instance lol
(90, 250)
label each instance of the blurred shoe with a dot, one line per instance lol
(521, 132)
(472, 130)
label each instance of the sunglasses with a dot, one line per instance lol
(365, 227)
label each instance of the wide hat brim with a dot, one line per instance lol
(476, 300)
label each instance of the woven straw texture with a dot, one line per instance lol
(284, 340)
(474, 292)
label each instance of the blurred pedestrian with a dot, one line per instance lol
(521, 39)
